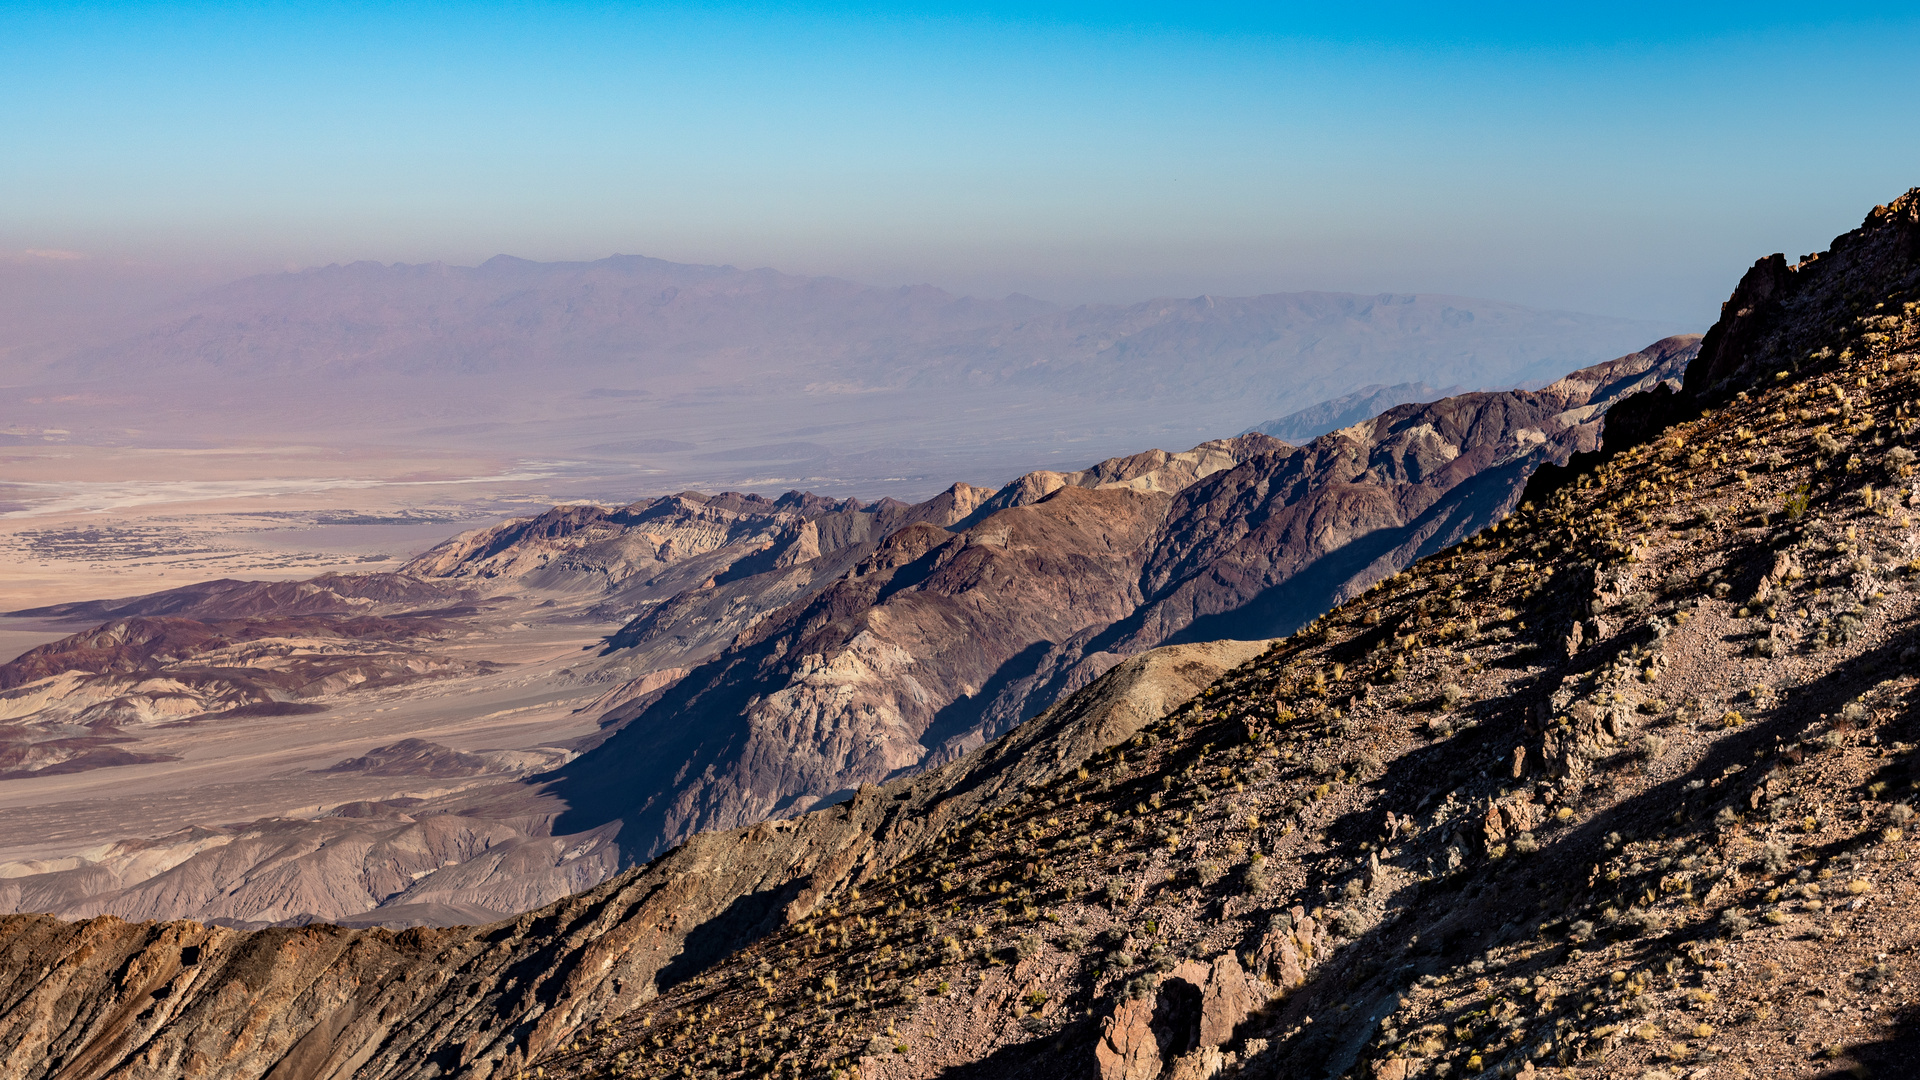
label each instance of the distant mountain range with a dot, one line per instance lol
(678, 322)
(571, 349)
(1347, 409)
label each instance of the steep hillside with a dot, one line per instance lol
(1620, 787)
(131, 999)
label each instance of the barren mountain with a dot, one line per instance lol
(1618, 787)
(785, 652)
(938, 641)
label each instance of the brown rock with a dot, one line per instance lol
(1201, 1064)
(1306, 933)
(1226, 1001)
(1393, 1069)
(1128, 1048)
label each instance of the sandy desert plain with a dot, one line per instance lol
(167, 518)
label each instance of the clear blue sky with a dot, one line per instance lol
(1629, 159)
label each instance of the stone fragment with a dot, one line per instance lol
(1393, 1069)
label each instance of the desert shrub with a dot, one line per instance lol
(1350, 923)
(1796, 503)
(1733, 921)
(1254, 875)
(1525, 844)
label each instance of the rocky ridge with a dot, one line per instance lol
(942, 639)
(1622, 786)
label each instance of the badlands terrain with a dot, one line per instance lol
(528, 708)
(1601, 768)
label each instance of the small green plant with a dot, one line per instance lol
(1797, 502)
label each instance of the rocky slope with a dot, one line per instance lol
(1619, 787)
(106, 997)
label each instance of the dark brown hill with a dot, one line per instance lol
(227, 598)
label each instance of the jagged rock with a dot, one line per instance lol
(1394, 1069)
(1227, 1000)
(1512, 815)
(1279, 956)
(1129, 1048)
(1201, 1064)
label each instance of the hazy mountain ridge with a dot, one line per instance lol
(1348, 409)
(687, 325)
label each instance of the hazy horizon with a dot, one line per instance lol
(1629, 162)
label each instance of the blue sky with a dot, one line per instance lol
(1629, 160)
